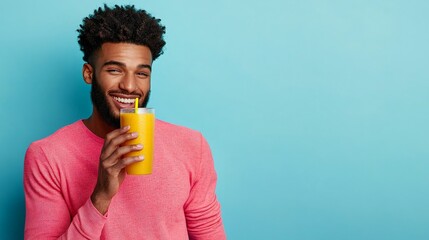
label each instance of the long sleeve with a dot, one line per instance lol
(202, 210)
(176, 201)
(47, 215)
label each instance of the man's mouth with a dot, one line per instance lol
(125, 100)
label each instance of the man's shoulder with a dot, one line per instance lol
(62, 136)
(54, 143)
(173, 129)
(170, 132)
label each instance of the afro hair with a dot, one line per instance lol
(120, 24)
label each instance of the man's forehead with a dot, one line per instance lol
(125, 53)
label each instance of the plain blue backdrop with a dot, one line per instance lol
(316, 111)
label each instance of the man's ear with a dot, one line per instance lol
(87, 73)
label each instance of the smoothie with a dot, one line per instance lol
(143, 122)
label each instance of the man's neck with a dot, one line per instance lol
(97, 125)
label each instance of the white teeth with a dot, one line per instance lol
(124, 100)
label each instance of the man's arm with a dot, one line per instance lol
(111, 170)
(202, 210)
(47, 215)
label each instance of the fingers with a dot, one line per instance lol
(114, 139)
(117, 132)
(111, 157)
(115, 157)
(122, 163)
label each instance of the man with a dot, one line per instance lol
(74, 180)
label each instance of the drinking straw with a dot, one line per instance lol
(136, 105)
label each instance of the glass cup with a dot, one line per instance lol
(141, 121)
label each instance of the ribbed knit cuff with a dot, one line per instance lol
(89, 221)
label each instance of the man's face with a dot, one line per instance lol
(121, 73)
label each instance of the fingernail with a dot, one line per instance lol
(126, 127)
(140, 157)
(138, 146)
(134, 134)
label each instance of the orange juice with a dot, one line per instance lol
(142, 122)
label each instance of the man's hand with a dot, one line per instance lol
(111, 169)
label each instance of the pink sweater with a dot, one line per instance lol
(177, 201)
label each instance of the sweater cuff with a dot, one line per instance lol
(89, 221)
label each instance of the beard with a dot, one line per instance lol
(100, 103)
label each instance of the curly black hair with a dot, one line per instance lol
(120, 24)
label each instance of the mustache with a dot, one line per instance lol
(134, 94)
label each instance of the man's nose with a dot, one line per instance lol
(128, 83)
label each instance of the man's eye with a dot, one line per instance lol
(143, 74)
(113, 71)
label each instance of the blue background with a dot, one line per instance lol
(316, 111)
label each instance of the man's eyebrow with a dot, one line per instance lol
(114, 63)
(120, 64)
(145, 66)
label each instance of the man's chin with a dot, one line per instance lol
(111, 117)
(114, 119)
(114, 122)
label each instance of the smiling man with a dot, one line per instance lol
(74, 180)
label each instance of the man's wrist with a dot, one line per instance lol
(100, 203)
